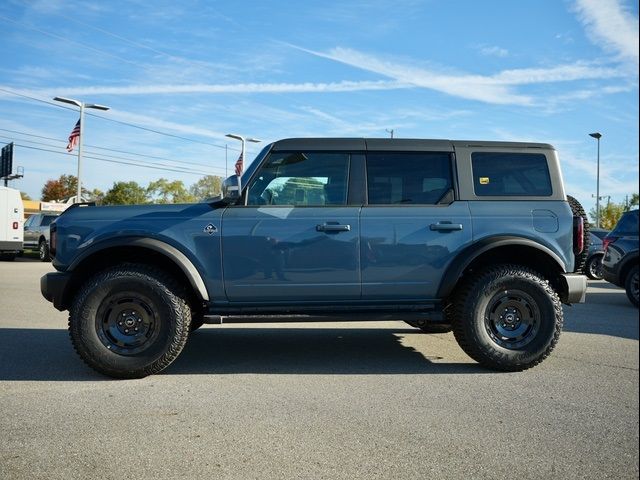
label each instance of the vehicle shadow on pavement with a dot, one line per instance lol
(607, 311)
(307, 351)
(47, 355)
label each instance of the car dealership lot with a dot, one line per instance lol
(334, 400)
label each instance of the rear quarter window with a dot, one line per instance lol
(506, 174)
(628, 224)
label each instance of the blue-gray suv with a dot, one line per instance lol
(479, 237)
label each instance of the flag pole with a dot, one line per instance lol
(81, 136)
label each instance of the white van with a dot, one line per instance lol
(11, 223)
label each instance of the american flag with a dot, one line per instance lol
(74, 136)
(239, 165)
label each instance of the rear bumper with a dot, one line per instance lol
(53, 287)
(575, 288)
(10, 246)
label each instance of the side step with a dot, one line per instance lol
(430, 317)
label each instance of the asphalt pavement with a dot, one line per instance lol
(319, 400)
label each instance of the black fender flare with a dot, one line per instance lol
(169, 251)
(473, 251)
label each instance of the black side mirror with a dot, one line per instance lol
(231, 189)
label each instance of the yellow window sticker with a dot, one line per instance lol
(484, 180)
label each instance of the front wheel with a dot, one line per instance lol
(631, 286)
(593, 268)
(507, 317)
(129, 321)
(43, 251)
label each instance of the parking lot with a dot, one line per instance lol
(319, 400)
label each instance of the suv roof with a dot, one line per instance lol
(406, 144)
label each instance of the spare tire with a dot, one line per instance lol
(578, 211)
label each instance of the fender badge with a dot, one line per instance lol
(210, 229)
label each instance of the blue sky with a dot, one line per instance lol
(528, 70)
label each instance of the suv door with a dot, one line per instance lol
(295, 239)
(31, 230)
(411, 226)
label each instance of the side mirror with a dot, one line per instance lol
(230, 189)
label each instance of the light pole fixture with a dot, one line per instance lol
(82, 106)
(597, 136)
(243, 140)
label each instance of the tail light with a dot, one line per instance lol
(53, 239)
(608, 241)
(15, 225)
(578, 235)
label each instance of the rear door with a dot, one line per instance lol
(412, 226)
(296, 239)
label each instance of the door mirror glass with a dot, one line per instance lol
(230, 189)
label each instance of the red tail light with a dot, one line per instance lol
(15, 225)
(607, 241)
(578, 235)
(53, 239)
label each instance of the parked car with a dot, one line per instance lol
(477, 235)
(36, 234)
(593, 265)
(620, 262)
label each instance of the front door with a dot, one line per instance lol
(296, 239)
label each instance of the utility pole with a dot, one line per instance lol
(390, 132)
(597, 136)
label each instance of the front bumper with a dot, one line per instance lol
(53, 287)
(575, 288)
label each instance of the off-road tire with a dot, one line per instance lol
(478, 302)
(578, 211)
(591, 269)
(143, 294)
(429, 327)
(43, 251)
(631, 286)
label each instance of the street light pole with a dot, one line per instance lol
(597, 136)
(82, 106)
(242, 140)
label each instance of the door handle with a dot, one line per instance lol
(445, 226)
(333, 227)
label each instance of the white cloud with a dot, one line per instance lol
(611, 25)
(494, 51)
(495, 89)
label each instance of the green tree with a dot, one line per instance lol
(164, 191)
(609, 214)
(207, 187)
(126, 193)
(64, 187)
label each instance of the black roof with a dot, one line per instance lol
(396, 144)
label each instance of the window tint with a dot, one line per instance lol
(302, 179)
(628, 224)
(516, 174)
(408, 177)
(47, 219)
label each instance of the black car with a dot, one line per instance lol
(593, 264)
(620, 262)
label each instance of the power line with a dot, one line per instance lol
(114, 161)
(110, 149)
(116, 121)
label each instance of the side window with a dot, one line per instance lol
(422, 178)
(301, 179)
(510, 174)
(46, 220)
(29, 221)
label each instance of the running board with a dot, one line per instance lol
(430, 317)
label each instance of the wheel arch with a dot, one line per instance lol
(626, 267)
(137, 250)
(489, 251)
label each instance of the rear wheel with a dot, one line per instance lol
(129, 321)
(631, 285)
(507, 318)
(593, 269)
